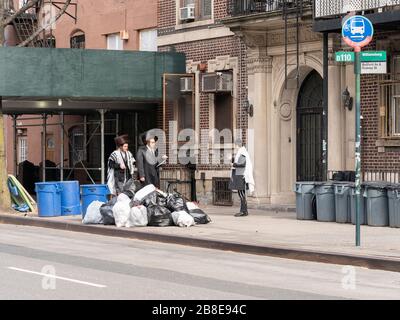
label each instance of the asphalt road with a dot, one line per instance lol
(38, 263)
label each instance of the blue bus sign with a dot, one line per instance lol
(357, 32)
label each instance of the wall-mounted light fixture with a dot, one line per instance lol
(249, 108)
(347, 100)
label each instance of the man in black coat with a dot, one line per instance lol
(148, 163)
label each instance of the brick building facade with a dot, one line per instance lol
(206, 42)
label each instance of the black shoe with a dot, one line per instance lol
(241, 214)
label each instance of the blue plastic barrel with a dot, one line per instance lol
(70, 198)
(93, 192)
(48, 199)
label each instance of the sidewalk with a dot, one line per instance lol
(262, 232)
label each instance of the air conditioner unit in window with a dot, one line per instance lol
(186, 84)
(187, 13)
(217, 82)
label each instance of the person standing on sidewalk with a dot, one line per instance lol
(242, 176)
(120, 166)
(148, 162)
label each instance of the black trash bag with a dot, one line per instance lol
(130, 194)
(106, 211)
(131, 187)
(161, 200)
(175, 202)
(199, 216)
(159, 216)
(149, 200)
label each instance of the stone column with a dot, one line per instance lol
(259, 68)
(336, 115)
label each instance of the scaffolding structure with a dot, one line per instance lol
(88, 136)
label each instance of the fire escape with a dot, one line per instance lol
(33, 28)
(290, 10)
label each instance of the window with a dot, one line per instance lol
(185, 112)
(202, 11)
(223, 114)
(389, 101)
(148, 40)
(22, 149)
(78, 40)
(114, 42)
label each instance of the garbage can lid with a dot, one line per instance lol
(342, 183)
(376, 184)
(393, 186)
(306, 182)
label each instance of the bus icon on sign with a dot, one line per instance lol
(357, 26)
(357, 31)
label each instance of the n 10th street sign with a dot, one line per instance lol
(365, 56)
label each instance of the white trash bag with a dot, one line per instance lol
(123, 197)
(144, 192)
(121, 212)
(137, 217)
(182, 219)
(93, 215)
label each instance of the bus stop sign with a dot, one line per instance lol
(357, 32)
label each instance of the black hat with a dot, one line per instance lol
(121, 140)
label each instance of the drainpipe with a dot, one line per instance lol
(325, 106)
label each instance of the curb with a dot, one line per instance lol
(272, 251)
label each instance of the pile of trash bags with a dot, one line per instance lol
(147, 206)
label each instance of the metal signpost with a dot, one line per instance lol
(357, 32)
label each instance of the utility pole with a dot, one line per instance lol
(5, 201)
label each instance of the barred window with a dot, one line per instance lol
(389, 101)
(78, 41)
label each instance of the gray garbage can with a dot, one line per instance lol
(325, 195)
(377, 204)
(363, 217)
(393, 193)
(343, 201)
(304, 200)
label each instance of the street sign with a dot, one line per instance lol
(344, 56)
(357, 32)
(373, 67)
(365, 56)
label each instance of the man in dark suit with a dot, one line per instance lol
(148, 163)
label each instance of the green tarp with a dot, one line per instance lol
(85, 74)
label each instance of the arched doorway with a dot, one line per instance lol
(310, 129)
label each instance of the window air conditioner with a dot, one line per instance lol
(217, 82)
(187, 13)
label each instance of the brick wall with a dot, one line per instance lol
(203, 51)
(371, 159)
(166, 13)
